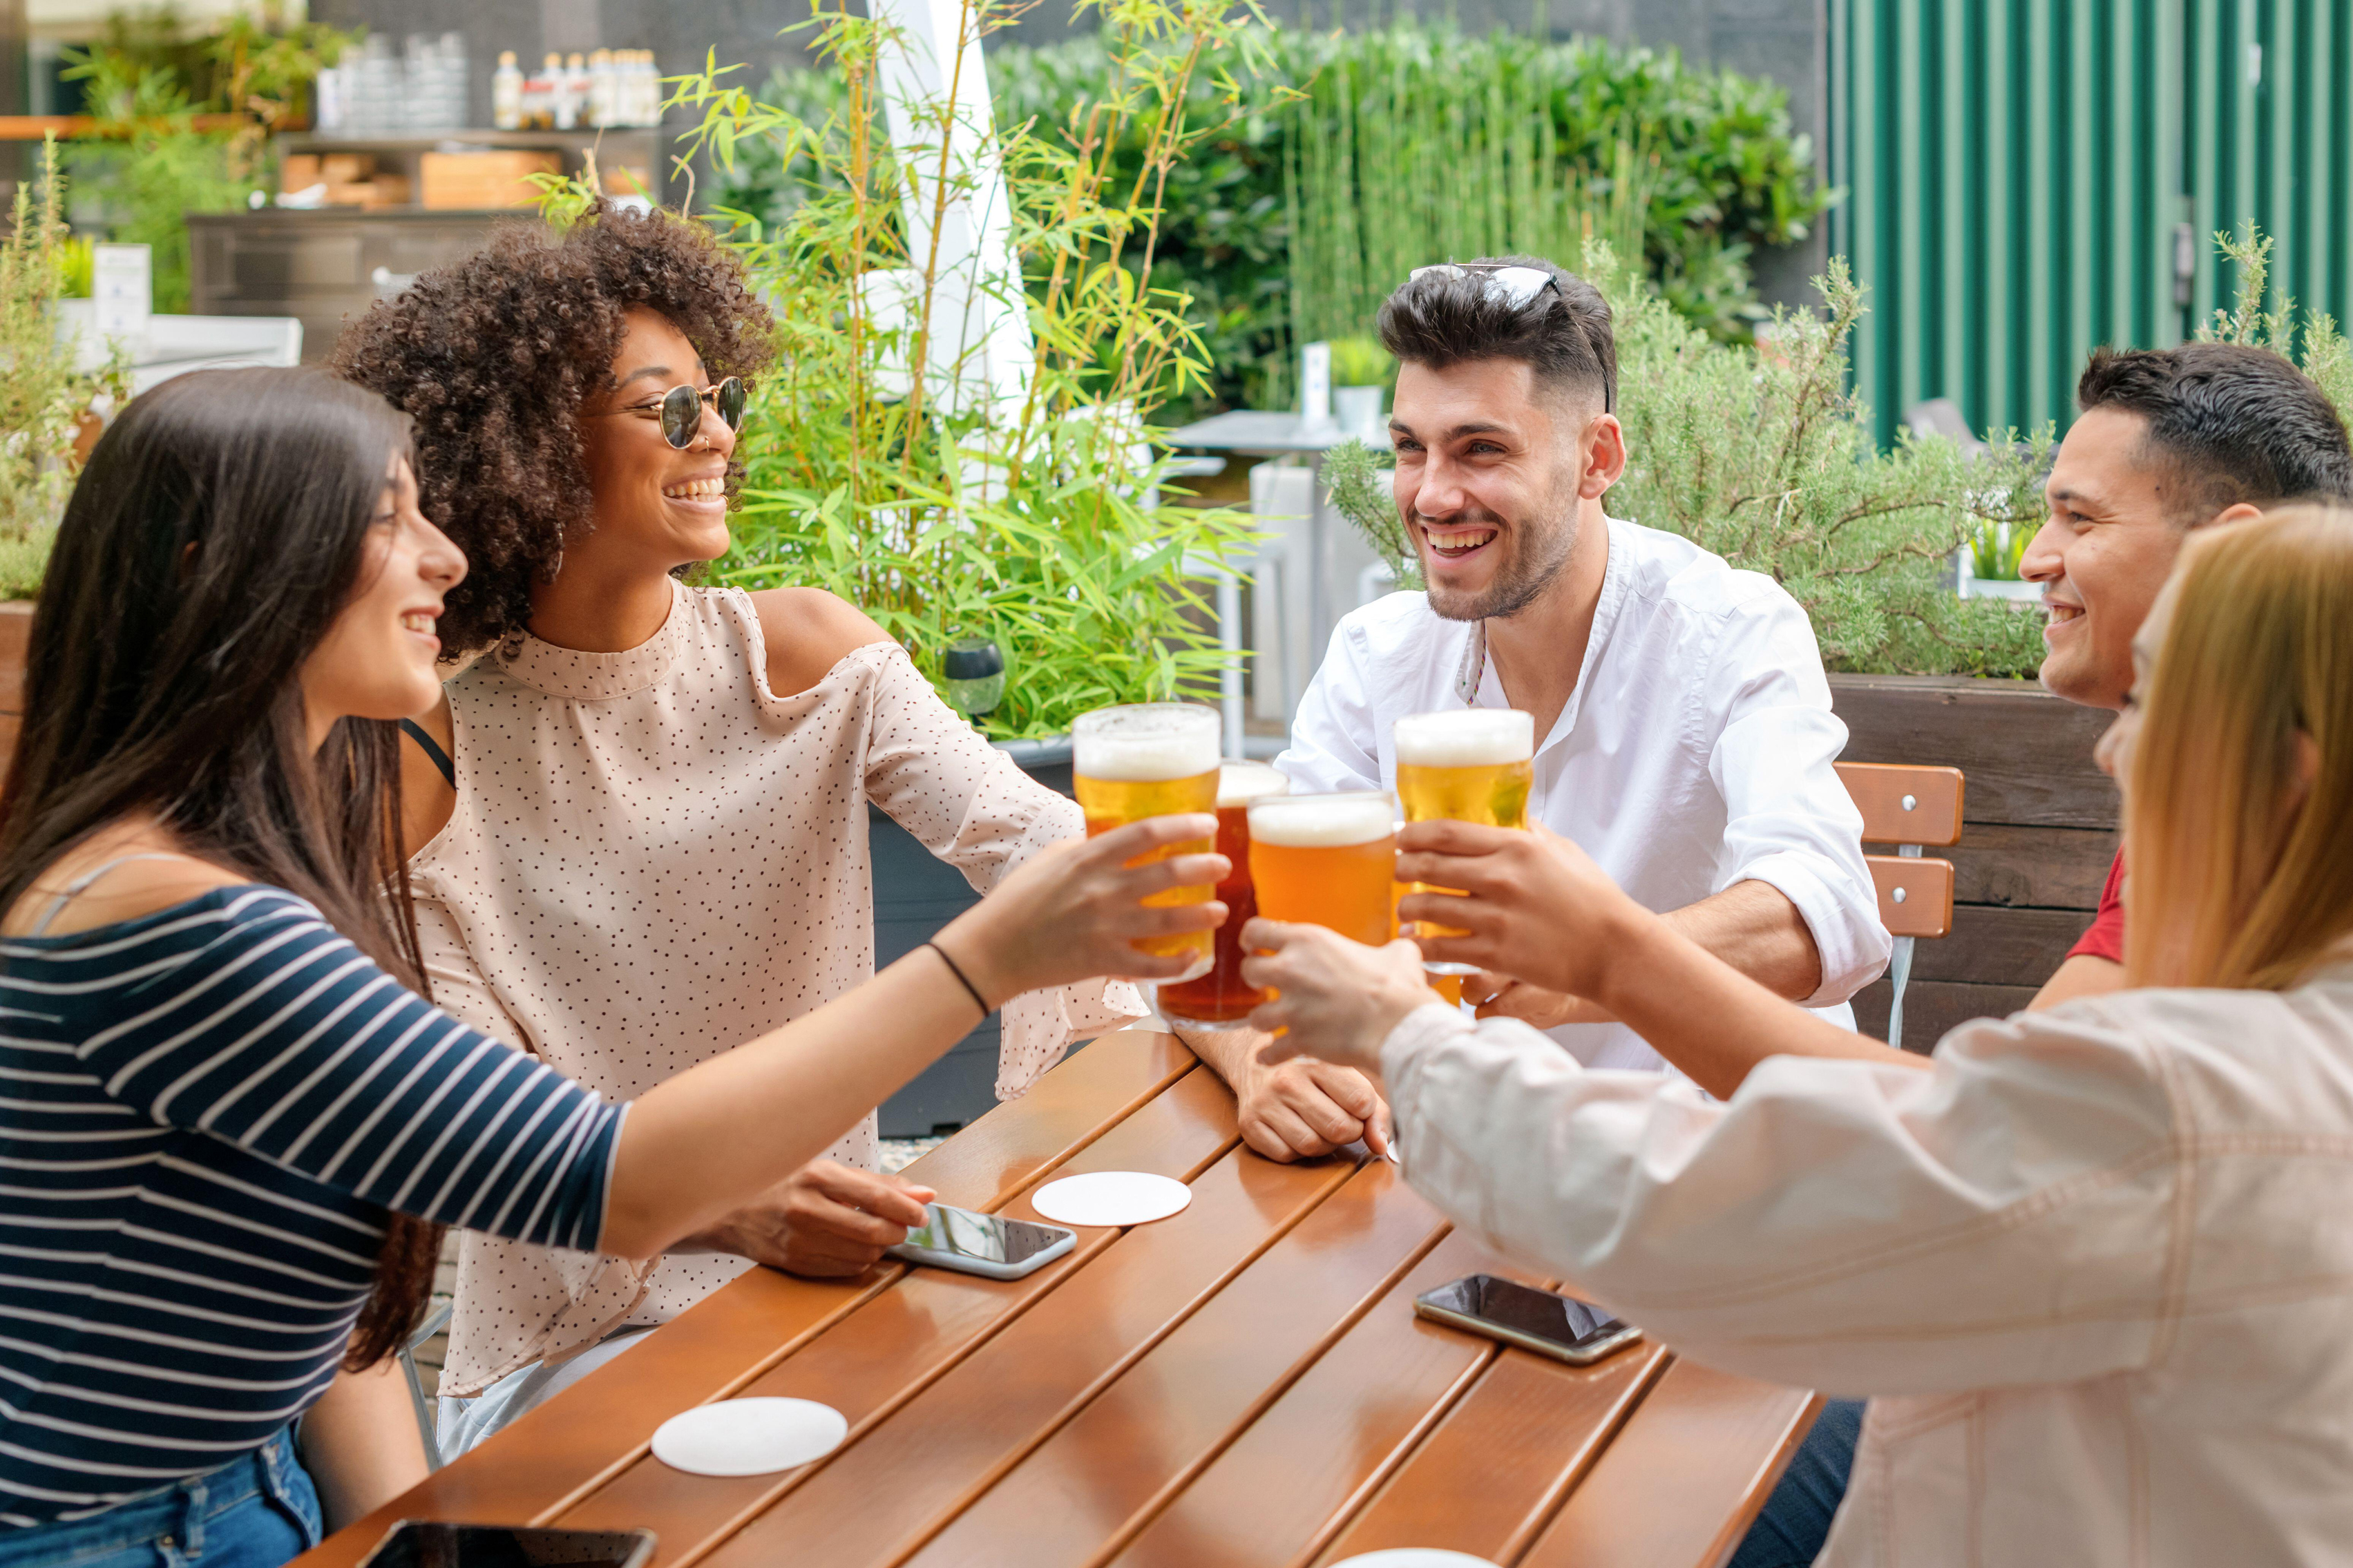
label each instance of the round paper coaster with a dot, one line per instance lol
(1414, 1557)
(749, 1436)
(1110, 1197)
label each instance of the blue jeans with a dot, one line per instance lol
(1796, 1520)
(256, 1511)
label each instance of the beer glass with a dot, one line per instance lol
(1327, 861)
(1470, 764)
(1219, 999)
(1151, 759)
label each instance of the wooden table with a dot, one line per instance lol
(1242, 1384)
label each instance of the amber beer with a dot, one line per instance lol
(1220, 1000)
(1327, 861)
(1151, 759)
(1472, 765)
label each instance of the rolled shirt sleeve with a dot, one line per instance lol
(2006, 1217)
(1788, 820)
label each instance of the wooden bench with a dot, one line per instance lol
(1912, 808)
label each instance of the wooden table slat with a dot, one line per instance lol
(879, 1498)
(567, 1448)
(1283, 1488)
(1143, 1437)
(882, 1355)
(1494, 1472)
(1678, 1487)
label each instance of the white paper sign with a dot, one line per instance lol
(1316, 385)
(122, 283)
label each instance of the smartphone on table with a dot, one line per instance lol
(1545, 1322)
(985, 1244)
(423, 1544)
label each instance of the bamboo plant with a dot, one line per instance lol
(1043, 521)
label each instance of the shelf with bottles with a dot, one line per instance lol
(461, 167)
(601, 89)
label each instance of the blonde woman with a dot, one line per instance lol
(2089, 1264)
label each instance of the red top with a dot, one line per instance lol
(2105, 939)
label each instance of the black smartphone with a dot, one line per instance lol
(1545, 1322)
(983, 1244)
(423, 1544)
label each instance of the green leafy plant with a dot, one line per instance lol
(1359, 362)
(2318, 348)
(1312, 192)
(1041, 520)
(1358, 480)
(45, 395)
(1996, 548)
(183, 124)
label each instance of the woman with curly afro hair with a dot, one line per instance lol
(638, 824)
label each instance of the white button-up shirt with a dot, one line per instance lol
(1695, 752)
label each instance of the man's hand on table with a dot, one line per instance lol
(824, 1221)
(1298, 1109)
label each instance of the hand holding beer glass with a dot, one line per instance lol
(1470, 764)
(1222, 999)
(1151, 759)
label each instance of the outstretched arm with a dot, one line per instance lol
(1536, 907)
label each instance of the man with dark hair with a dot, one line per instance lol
(2168, 440)
(1683, 727)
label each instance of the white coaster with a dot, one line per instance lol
(1414, 1557)
(749, 1436)
(1111, 1198)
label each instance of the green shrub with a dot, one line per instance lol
(1315, 193)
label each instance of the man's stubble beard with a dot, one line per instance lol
(1520, 582)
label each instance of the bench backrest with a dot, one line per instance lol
(1913, 807)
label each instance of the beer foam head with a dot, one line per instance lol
(1239, 784)
(1466, 738)
(1146, 742)
(1323, 820)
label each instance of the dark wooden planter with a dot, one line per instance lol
(914, 896)
(2038, 830)
(15, 627)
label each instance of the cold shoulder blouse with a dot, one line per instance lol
(653, 858)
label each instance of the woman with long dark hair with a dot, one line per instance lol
(229, 1128)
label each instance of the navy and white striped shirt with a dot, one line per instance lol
(204, 1115)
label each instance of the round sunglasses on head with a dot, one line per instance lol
(680, 410)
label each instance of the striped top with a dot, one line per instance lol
(204, 1115)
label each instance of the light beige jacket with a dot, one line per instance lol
(2094, 1269)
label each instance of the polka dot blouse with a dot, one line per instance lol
(653, 858)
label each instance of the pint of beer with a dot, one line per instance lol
(1151, 759)
(1472, 765)
(1219, 999)
(1327, 861)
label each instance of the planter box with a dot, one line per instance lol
(15, 627)
(2038, 830)
(914, 896)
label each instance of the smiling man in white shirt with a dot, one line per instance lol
(1684, 728)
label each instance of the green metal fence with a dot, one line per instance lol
(2027, 179)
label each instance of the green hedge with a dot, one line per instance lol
(1361, 154)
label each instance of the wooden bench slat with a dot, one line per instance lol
(881, 1496)
(1880, 789)
(1925, 909)
(1141, 1438)
(1679, 1485)
(1298, 1473)
(1515, 1442)
(567, 1448)
(891, 1347)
